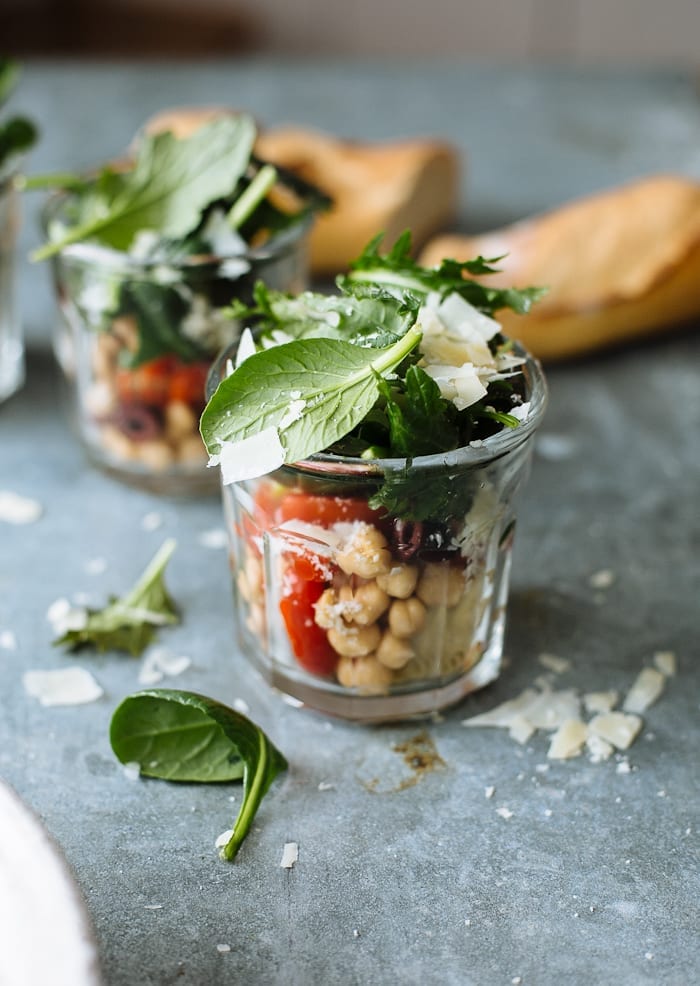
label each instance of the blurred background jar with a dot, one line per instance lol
(11, 343)
(379, 608)
(136, 340)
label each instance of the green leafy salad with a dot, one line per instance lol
(17, 134)
(403, 361)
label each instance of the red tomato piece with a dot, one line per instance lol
(188, 382)
(146, 384)
(309, 641)
(325, 510)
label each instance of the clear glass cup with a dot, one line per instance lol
(11, 341)
(136, 340)
(364, 613)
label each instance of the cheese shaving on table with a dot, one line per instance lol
(16, 509)
(645, 690)
(618, 728)
(600, 701)
(64, 686)
(568, 740)
(290, 854)
(64, 617)
(665, 661)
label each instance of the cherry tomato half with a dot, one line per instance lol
(187, 383)
(148, 383)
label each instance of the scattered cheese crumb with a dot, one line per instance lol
(215, 538)
(132, 770)
(618, 728)
(222, 839)
(648, 956)
(8, 641)
(152, 907)
(516, 980)
(645, 691)
(555, 448)
(665, 661)
(158, 662)
(624, 767)
(553, 663)
(568, 740)
(223, 948)
(504, 813)
(599, 749)
(95, 566)
(16, 509)
(151, 521)
(602, 579)
(489, 792)
(355, 933)
(548, 813)
(600, 701)
(63, 617)
(65, 686)
(290, 854)
(240, 705)
(326, 786)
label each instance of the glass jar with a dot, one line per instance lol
(136, 341)
(11, 343)
(374, 612)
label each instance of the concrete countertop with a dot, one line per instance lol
(569, 872)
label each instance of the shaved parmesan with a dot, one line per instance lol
(520, 729)
(8, 641)
(222, 839)
(246, 347)
(504, 813)
(665, 661)
(290, 854)
(215, 539)
(553, 663)
(16, 509)
(648, 686)
(158, 662)
(250, 457)
(618, 728)
(458, 316)
(602, 580)
(600, 701)
(568, 740)
(65, 686)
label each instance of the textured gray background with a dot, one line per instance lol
(595, 869)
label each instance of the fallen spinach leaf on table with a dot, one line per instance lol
(129, 623)
(182, 736)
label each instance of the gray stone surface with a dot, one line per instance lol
(594, 877)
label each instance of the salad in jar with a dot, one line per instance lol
(147, 254)
(370, 444)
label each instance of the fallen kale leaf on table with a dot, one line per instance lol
(182, 736)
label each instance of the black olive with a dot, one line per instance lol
(139, 422)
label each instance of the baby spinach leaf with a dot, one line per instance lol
(169, 186)
(182, 736)
(128, 623)
(332, 383)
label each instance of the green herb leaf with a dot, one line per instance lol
(334, 383)
(421, 421)
(159, 311)
(17, 134)
(183, 736)
(129, 623)
(397, 271)
(171, 183)
(9, 72)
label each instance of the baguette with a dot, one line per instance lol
(618, 265)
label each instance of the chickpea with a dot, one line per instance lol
(328, 612)
(191, 451)
(364, 604)
(115, 443)
(365, 553)
(255, 621)
(406, 616)
(155, 455)
(253, 570)
(400, 581)
(100, 399)
(440, 584)
(352, 641)
(394, 652)
(180, 421)
(365, 673)
(104, 355)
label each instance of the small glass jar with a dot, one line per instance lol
(11, 342)
(364, 612)
(136, 341)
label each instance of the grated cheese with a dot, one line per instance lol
(599, 749)
(504, 813)
(8, 640)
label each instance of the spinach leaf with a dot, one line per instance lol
(18, 133)
(182, 736)
(129, 623)
(332, 383)
(171, 183)
(397, 271)
(159, 311)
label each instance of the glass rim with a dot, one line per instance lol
(474, 454)
(94, 254)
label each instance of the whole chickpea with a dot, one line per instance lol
(365, 552)
(400, 581)
(440, 584)
(394, 652)
(354, 641)
(366, 673)
(364, 603)
(406, 616)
